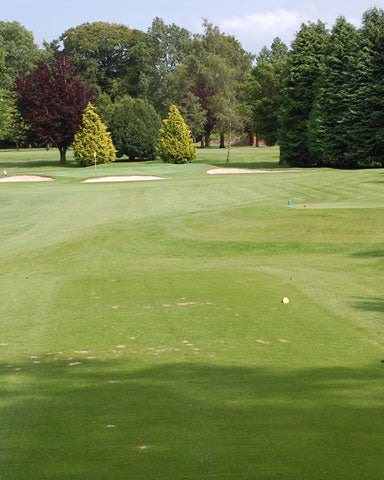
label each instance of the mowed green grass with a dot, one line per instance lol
(142, 331)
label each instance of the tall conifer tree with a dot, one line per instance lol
(93, 142)
(332, 134)
(300, 87)
(175, 143)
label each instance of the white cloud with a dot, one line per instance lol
(255, 30)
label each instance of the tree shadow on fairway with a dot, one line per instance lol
(248, 165)
(370, 254)
(370, 304)
(29, 164)
(103, 420)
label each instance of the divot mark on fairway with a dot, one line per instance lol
(74, 364)
(263, 342)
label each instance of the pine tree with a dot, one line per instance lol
(175, 143)
(299, 91)
(368, 101)
(93, 142)
(333, 131)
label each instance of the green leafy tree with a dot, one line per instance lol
(93, 143)
(212, 72)
(18, 55)
(193, 114)
(135, 127)
(261, 91)
(6, 114)
(168, 46)
(175, 142)
(300, 86)
(18, 52)
(106, 55)
(12, 127)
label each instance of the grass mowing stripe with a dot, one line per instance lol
(143, 335)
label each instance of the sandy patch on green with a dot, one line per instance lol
(216, 171)
(123, 178)
(25, 178)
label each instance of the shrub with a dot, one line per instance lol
(92, 140)
(175, 143)
(135, 126)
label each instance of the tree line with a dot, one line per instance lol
(320, 99)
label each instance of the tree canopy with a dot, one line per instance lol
(52, 99)
(321, 100)
(104, 53)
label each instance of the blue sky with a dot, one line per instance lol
(255, 23)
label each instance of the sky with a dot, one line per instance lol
(255, 23)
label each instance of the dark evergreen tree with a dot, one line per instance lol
(332, 124)
(368, 100)
(135, 126)
(299, 91)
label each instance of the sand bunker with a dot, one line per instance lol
(25, 178)
(123, 178)
(216, 171)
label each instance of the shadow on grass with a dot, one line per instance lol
(262, 165)
(28, 164)
(249, 165)
(370, 304)
(189, 420)
(369, 254)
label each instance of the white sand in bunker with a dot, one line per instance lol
(216, 171)
(123, 178)
(25, 178)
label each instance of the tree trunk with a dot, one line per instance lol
(229, 142)
(207, 141)
(222, 140)
(63, 152)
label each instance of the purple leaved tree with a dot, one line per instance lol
(52, 100)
